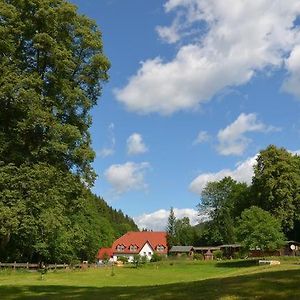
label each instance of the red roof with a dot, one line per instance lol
(102, 251)
(139, 239)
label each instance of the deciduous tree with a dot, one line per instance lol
(258, 229)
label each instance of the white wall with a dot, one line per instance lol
(146, 251)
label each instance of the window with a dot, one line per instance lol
(160, 248)
(120, 248)
(133, 248)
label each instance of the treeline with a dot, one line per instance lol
(266, 212)
(48, 215)
(52, 69)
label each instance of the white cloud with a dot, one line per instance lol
(295, 152)
(232, 139)
(242, 173)
(202, 137)
(292, 85)
(158, 219)
(108, 151)
(169, 34)
(104, 152)
(240, 38)
(135, 144)
(127, 177)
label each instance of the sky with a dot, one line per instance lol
(197, 88)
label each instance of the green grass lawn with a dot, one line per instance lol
(175, 280)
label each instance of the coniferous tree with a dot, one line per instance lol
(170, 229)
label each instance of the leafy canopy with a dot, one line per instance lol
(52, 65)
(258, 229)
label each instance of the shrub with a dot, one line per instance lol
(123, 259)
(136, 260)
(144, 259)
(218, 254)
(155, 257)
(198, 256)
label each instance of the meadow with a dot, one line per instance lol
(164, 280)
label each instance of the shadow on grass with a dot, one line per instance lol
(268, 285)
(237, 263)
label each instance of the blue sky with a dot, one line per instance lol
(197, 88)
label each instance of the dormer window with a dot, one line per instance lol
(160, 248)
(133, 248)
(120, 248)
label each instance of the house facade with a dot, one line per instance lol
(144, 243)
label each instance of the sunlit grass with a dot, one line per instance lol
(167, 280)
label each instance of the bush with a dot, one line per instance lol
(155, 257)
(198, 256)
(218, 254)
(144, 259)
(137, 260)
(123, 259)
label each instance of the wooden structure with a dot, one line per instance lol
(179, 250)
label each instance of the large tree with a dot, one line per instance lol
(223, 200)
(276, 185)
(52, 65)
(184, 232)
(52, 69)
(258, 229)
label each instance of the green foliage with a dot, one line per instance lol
(170, 229)
(258, 229)
(198, 256)
(223, 200)
(218, 254)
(123, 259)
(52, 217)
(179, 231)
(155, 257)
(144, 259)
(276, 185)
(53, 67)
(275, 188)
(137, 260)
(184, 232)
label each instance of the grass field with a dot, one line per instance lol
(167, 280)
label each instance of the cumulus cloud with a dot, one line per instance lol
(109, 150)
(238, 39)
(158, 219)
(242, 173)
(135, 144)
(291, 84)
(169, 34)
(232, 139)
(127, 177)
(202, 137)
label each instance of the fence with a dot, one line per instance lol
(16, 265)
